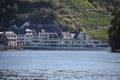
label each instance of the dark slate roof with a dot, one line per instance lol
(20, 31)
(47, 28)
(38, 28)
(14, 28)
(76, 34)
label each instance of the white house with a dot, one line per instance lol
(28, 37)
(12, 38)
(67, 35)
(20, 39)
(81, 35)
(25, 37)
(46, 35)
(43, 35)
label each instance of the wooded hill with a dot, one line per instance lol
(91, 15)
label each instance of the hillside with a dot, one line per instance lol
(87, 14)
(107, 5)
(90, 15)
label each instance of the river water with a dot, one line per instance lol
(103, 62)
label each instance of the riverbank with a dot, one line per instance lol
(56, 75)
(6, 48)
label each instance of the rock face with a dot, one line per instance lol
(55, 75)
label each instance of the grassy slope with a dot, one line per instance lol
(100, 34)
(86, 14)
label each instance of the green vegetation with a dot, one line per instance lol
(114, 33)
(84, 13)
(101, 34)
(106, 5)
(79, 4)
(93, 19)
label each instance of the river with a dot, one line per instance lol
(100, 62)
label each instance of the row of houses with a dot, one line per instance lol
(36, 32)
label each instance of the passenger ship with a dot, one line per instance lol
(61, 44)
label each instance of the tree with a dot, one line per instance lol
(3, 39)
(8, 12)
(43, 16)
(114, 33)
(55, 4)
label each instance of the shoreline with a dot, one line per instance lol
(21, 49)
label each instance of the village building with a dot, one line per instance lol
(11, 37)
(24, 37)
(81, 35)
(28, 37)
(34, 32)
(20, 38)
(28, 33)
(43, 35)
(67, 35)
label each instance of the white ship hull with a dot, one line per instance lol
(64, 48)
(65, 45)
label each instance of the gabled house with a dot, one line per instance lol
(48, 31)
(81, 35)
(28, 37)
(67, 35)
(31, 32)
(20, 37)
(24, 36)
(11, 37)
(46, 28)
(43, 35)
